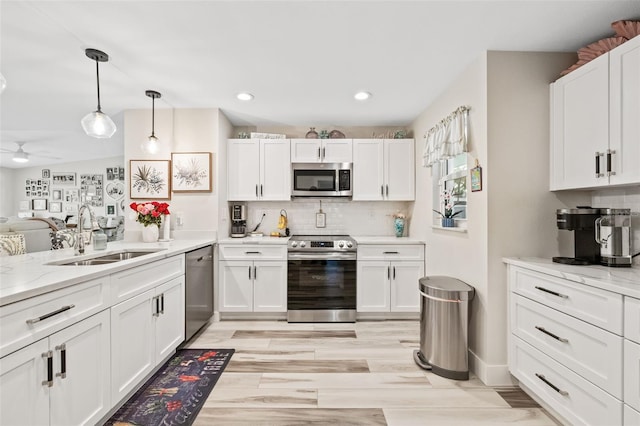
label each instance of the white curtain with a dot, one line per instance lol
(446, 139)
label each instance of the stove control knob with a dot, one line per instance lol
(302, 244)
(341, 244)
(294, 244)
(349, 244)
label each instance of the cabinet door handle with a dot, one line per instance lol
(382, 190)
(389, 272)
(389, 252)
(394, 272)
(256, 190)
(252, 252)
(162, 303)
(554, 293)
(609, 152)
(323, 153)
(249, 272)
(50, 314)
(551, 385)
(49, 356)
(63, 361)
(548, 333)
(156, 300)
(255, 272)
(319, 158)
(387, 190)
(261, 192)
(598, 174)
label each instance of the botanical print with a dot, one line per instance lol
(149, 179)
(191, 171)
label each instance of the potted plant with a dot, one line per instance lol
(447, 215)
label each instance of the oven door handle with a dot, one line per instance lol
(321, 256)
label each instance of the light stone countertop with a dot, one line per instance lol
(624, 281)
(28, 275)
(255, 240)
(386, 240)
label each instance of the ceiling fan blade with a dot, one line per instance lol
(43, 156)
(8, 151)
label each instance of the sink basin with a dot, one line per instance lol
(104, 259)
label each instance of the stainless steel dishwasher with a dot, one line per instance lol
(198, 289)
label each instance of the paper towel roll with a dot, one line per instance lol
(167, 227)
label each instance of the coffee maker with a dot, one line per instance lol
(238, 220)
(581, 220)
(613, 234)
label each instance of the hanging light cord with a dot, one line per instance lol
(98, 84)
(153, 116)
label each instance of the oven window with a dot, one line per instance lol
(321, 284)
(314, 180)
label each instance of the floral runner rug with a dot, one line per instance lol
(175, 394)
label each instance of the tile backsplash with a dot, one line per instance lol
(622, 198)
(342, 217)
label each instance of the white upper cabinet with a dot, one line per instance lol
(258, 169)
(595, 122)
(321, 151)
(383, 169)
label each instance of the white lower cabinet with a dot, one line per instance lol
(63, 379)
(631, 416)
(144, 331)
(387, 280)
(567, 345)
(253, 286)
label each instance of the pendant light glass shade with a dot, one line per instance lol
(97, 124)
(3, 83)
(20, 156)
(152, 144)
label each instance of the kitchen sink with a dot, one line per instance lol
(104, 259)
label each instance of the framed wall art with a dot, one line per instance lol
(149, 179)
(63, 178)
(39, 204)
(476, 178)
(55, 207)
(110, 209)
(46, 173)
(92, 183)
(56, 195)
(191, 172)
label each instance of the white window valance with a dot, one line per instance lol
(446, 139)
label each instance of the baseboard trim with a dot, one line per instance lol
(491, 375)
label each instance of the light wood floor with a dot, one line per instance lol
(344, 374)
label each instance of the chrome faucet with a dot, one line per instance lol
(79, 243)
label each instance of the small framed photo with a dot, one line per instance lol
(56, 195)
(110, 173)
(476, 178)
(24, 205)
(39, 204)
(149, 179)
(63, 178)
(191, 172)
(121, 173)
(55, 207)
(110, 209)
(46, 173)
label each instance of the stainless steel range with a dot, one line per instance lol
(321, 278)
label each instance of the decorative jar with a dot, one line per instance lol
(399, 227)
(150, 233)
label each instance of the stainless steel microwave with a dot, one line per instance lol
(321, 180)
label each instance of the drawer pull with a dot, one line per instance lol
(551, 385)
(49, 356)
(50, 314)
(555, 293)
(63, 361)
(389, 252)
(252, 252)
(548, 333)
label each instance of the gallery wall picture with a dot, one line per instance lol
(63, 178)
(191, 172)
(115, 190)
(46, 173)
(38, 204)
(55, 207)
(110, 209)
(56, 195)
(149, 179)
(94, 199)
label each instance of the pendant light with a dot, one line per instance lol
(98, 124)
(20, 156)
(151, 145)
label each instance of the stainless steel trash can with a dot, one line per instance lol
(444, 326)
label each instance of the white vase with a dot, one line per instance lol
(150, 233)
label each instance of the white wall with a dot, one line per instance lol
(514, 214)
(7, 194)
(179, 130)
(19, 177)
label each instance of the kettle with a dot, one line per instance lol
(283, 222)
(613, 233)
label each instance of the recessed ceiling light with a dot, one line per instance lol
(244, 96)
(362, 96)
